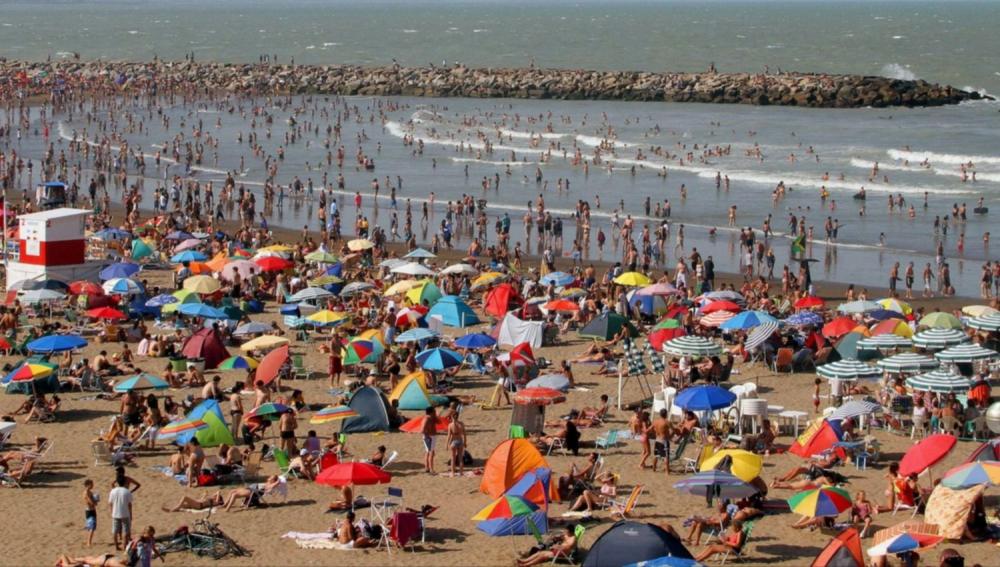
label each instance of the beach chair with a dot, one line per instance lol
(251, 467)
(284, 463)
(783, 361)
(572, 557)
(393, 499)
(393, 456)
(919, 426)
(624, 508)
(742, 552)
(608, 440)
(299, 369)
(103, 454)
(406, 527)
(556, 443)
(7, 479)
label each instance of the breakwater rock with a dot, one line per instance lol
(786, 89)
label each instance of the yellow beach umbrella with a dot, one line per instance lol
(360, 244)
(325, 280)
(264, 342)
(487, 279)
(402, 287)
(893, 304)
(373, 335)
(634, 279)
(979, 310)
(746, 466)
(279, 248)
(327, 317)
(183, 296)
(202, 284)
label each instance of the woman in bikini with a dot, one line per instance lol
(189, 503)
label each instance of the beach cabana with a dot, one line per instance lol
(372, 409)
(508, 462)
(629, 542)
(453, 312)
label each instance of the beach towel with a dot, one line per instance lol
(949, 509)
(180, 478)
(308, 536)
(324, 544)
(210, 511)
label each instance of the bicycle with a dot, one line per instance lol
(204, 539)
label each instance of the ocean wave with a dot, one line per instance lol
(595, 141)
(492, 162)
(933, 157)
(797, 181)
(897, 71)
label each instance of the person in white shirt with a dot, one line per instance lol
(120, 503)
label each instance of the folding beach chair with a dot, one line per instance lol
(284, 463)
(572, 557)
(608, 440)
(299, 369)
(393, 456)
(624, 507)
(740, 553)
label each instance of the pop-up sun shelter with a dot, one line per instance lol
(533, 486)
(207, 344)
(631, 542)
(215, 434)
(411, 393)
(509, 461)
(453, 312)
(372, 409)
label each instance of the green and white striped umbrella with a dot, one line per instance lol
(966, 353)
(939, 338)
(907, 362)
(886, 341)
(847, 369)
(692, 345)
(941, 381)
(990, 322)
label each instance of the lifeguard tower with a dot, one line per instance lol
(51, 245)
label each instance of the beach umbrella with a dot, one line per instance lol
(558, 279)
(141, 249)
(202, 284)
(940, 320)
(572, 293)
(932, 339)
(809, 302)
(725, 294)
(487, 279)
(747, 320)
(332, 413)
(883, 314)
(201, 310)
(273, 263)
(122, 286)
(907, 362)
(668, 323)
(238, 363)
(551, 381)
(358, 350)
(268, 409)
(392, 263)
(838, 327)
(825, 501)
(475, 340)
(355, 287)
(264, 342)
(970, 352)
(759, 335)
(744, 465)
(413, 269)
(46, 283)
(888, 341)
(187, 244)
(941, 381)
(161, 300)
(416, 425)
(119, 270)
(41, 295)
(188, 256)
(326, 280)
(973, 474)
(926, 453)
(30, 371)
(321, 257)
(661, 289)
(658, 337)
(85, 287)
(327, 318)
(893, 326)
(401, 287)
(180, 426)
(243, 268)
(360, 244)
(460, 270)
(439, 359)
(410, 316)
(563, 305)
(847, 370)
(988, 322)
(420, 253)
(717, 484)
(692, 345)
(112, 233)
(715, 318)
(418, 334)
(252, 328)
(908, 536)
(107, 313)
(854, 408)
(893, 304)
(506, 507)
(277, 249)
(142, 381)
(178, 235)
(666, 561)
(356, 473)
(539, 397)
(56, 343)
(704, 398)
(633, 279)
(310, 294)
(803, 318)
(978, 310)
(720, 305)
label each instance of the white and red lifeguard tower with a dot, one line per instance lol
(51, 245)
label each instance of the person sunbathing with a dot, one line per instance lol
(591, 499)
(599, 413)
(565, 547)
(252, 494)
(593, 353)
(349, 535)
(733, 541)
(304, 464)
(206, 503)
(178, 461)
(699, 523)
(346, 501)
(813, 523)
(815, 476)
(27, 466)
(104, 560)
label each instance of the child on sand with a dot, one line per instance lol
(89, 511)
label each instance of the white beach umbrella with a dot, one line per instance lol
(460, 269)
(941, 381)
(966, 353)
(413, 269)
(939, 338)
(907, 362)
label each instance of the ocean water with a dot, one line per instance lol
(918, 151)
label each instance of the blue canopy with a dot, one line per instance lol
(557, 279)
(703, 398)
(438, 359)
(453, 312)
(119, 270)
(418, 334)
(188, 256)
(201, 310)
(475, 340)
(747, 320)
(57, 343)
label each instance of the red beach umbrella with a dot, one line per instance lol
(839, 326)
(352, 473)
(269, 366)
(809, 302)
(539, 396)
(721, 305)
(273, 263)
(109, 313)
(562, 305)
(926, 453)
(84, 287)
(660, 336)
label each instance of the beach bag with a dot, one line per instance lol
(467, 459)
(206, 478)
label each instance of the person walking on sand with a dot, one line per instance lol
(89, 511)
(661, 444)
(456, 444)
(120, 504)
(429, 430)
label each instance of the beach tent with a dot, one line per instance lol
(206, 344)
(842, 551)
(372, 409)
(453, 312)
(426, 294)
(501, 299)
(217, 433)
(508, 462)
(411, 393)
(988, 451)
(820, 437)
(513, 331)
(607, 326)
(534, 486)
(629, 542)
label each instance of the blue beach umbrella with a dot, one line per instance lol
(747, 320)
(438, 359)
(188, 256)
(703, 398)
(122, 286)
(667, 561)
(161, 300)
(178, 235)
(113, 234)
(57, 343)
(119, 270)
(417, 334)
(201, 310)
(557, 279)
(803, 318)
(475, 340)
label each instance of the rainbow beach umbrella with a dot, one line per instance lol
(972, 474)
(180, 426)
(822, 501)
(505, 508)
(238, 363)
(358, 350)
(332, 413)
(30, 371)
(141, 382)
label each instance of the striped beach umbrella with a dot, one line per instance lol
(30, 371)
(893, 326)
(715, 318)
(692, 345)
(883, 342)
(122, 286)
(327, 318)
(142, 381)
(238, 363)
(269, 408)
(935, 339)
(825, 501)
(358, 350)
(973, 474)
(310, 294)
(893, 304)
(941, 381)
(747, 320)
(847, 370)
(970, 352)
(908, 536)
(987, 322)
(760, 334)
(854, 408)
(907, 362)
(506, 507)
(332, 413)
